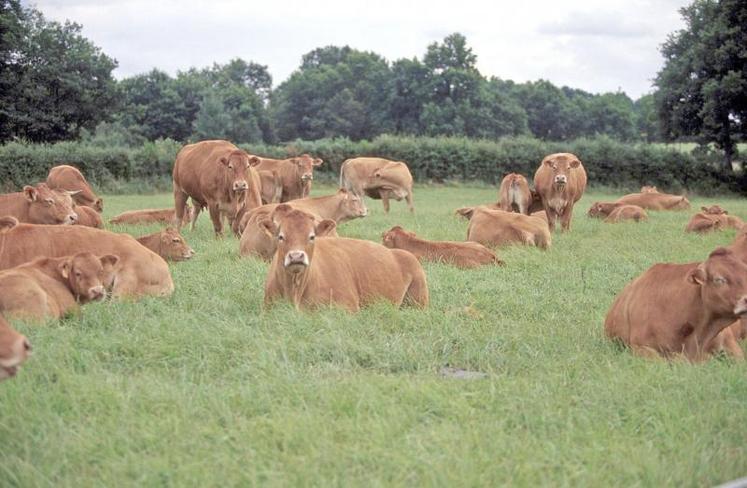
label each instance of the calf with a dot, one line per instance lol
(89, 217)
(293, 175)
(169, 244)
(655, 201)
(499, 228)
(560, 180)
(514, 194)
(68, 178)
(39, 205)
(626, 212)
(460, 254)
(51, 287)
(350, 273)
(680, 308)
(14, 350)
(152, 215)
(378, 178)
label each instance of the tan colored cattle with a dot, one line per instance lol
(649, 189)
(52, 287)
(626, 212)
(271, 186)
(459, 254)
(294, 174)
(139, 270)
(89, 217)
(703, 222)
(349, 273)
(378, 178)
(714, 210)
(39, 205)
(655, 201)
(514, 194)
(680, 308)
(169, 244)
(561, 181)
(68, 178)
(152, 215)
(218, 175)
(500, 228)
(14, 350)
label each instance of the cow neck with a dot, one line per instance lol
(147, 241)
(412, 244)
(707, 327)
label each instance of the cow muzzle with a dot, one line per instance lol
(20, 350)
(561, 180)
(741, 307)
(71, 219)
(307, 177)
(240, 185)
(190, 252)
(97, 293)
(296, 261)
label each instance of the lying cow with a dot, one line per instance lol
(459, 254)
(218, 175)
(514, 194)
(655, 201)
(14, 350)
(378, 178)
(139, 270)
(626, 212)
(680, 308)
(88, 217)
(350, 273)
(152, 215)
(52, 287)
(294, 175)
(68, 178)
(39, 205)
(561, 181)
(500, 228)
(169, 244)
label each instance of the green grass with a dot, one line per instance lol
(206, 389)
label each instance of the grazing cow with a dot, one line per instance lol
(39, 205)
(295, 175)
(152, 215)
(626, 212)
(139, 270)
(14, 350)
(89, 217)
(67, 178)
(680, 308)
(655, 201)
(459, 254)
(350, 273)
(218, 175)
(649, 189)
(499, 228)
(169, 244)
(52, 287)
(514, 194)
(560, 181)
(271, 186)
(377, 178)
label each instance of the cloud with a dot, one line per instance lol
(596, 24)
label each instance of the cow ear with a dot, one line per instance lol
(575, 163)
(30, 193)
(268, 227)
(64, 268)
(466, 212)
(325, 227)
(254, 161)
(697, 276)
(109, 261)
(547, 162)
(72, 193)
(224, 161)
(317, 162)
(281, 210)
(7, 223)
(704, 209)
(342, 191)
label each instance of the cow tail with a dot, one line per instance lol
(342, 173)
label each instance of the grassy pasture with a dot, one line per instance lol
(207, 389)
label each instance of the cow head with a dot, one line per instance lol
(351, 206)
(682, 204)
(295, 232)
(722, 279)
(14, 350)
(88, 276)
(391, 237)
(601, 209)
(98, 205)
(47, 206)
(236, 164)
(714, 210)
(465, 212)
(305, 167)
(649, 189)
(389, 177)
(173, 246)
(561, 165)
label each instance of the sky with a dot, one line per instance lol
(598, 46)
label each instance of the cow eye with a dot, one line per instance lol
(49, 201)
(312, 237)
(281, 237)
(230, 166)
(719, 280)
(77, 273)
(176, 239)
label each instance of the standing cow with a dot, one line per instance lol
(377, 178)
(68, 178)
(218, 175)
(294, 175)
(560, 181)
(514, 194)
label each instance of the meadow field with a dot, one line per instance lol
(205, 388)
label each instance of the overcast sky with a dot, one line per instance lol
(594, 45)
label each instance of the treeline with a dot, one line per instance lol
(56, 85)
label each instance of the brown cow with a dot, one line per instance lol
(649, 189)
(139, 270)
(89, 217)
(680, 308)
(459, 254)
(626, 212)
(703, 222)
(295, 175)
(655, 201)
(39, 205)
(169, 244)
(560, 180)
(52, 287)
(350, 273)
(67, 178)
(377, 178)
(271, 186)
(14, 350)
(514, 194)
(218, 175)
(152, 215)
(499, 228)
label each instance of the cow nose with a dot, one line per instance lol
(240, 185)
(72, 218)
(97, 292)
(561, 179)
(296, 257)
(741, 307)
(190, 252)
(307, 177)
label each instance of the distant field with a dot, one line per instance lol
(689, 146)
(206, 389)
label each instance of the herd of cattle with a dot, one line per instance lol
(55, 255)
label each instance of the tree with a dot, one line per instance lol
(11, 37)
(702, 86)
(647, 123)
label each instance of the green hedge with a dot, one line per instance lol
(609, 163)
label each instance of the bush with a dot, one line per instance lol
(609, 163)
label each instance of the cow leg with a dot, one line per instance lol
(180, 206)
(552, 216)
(215, 216)
(408, 198)
(384, 194)
(565, 219)
(196, 213)
(417, 292)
